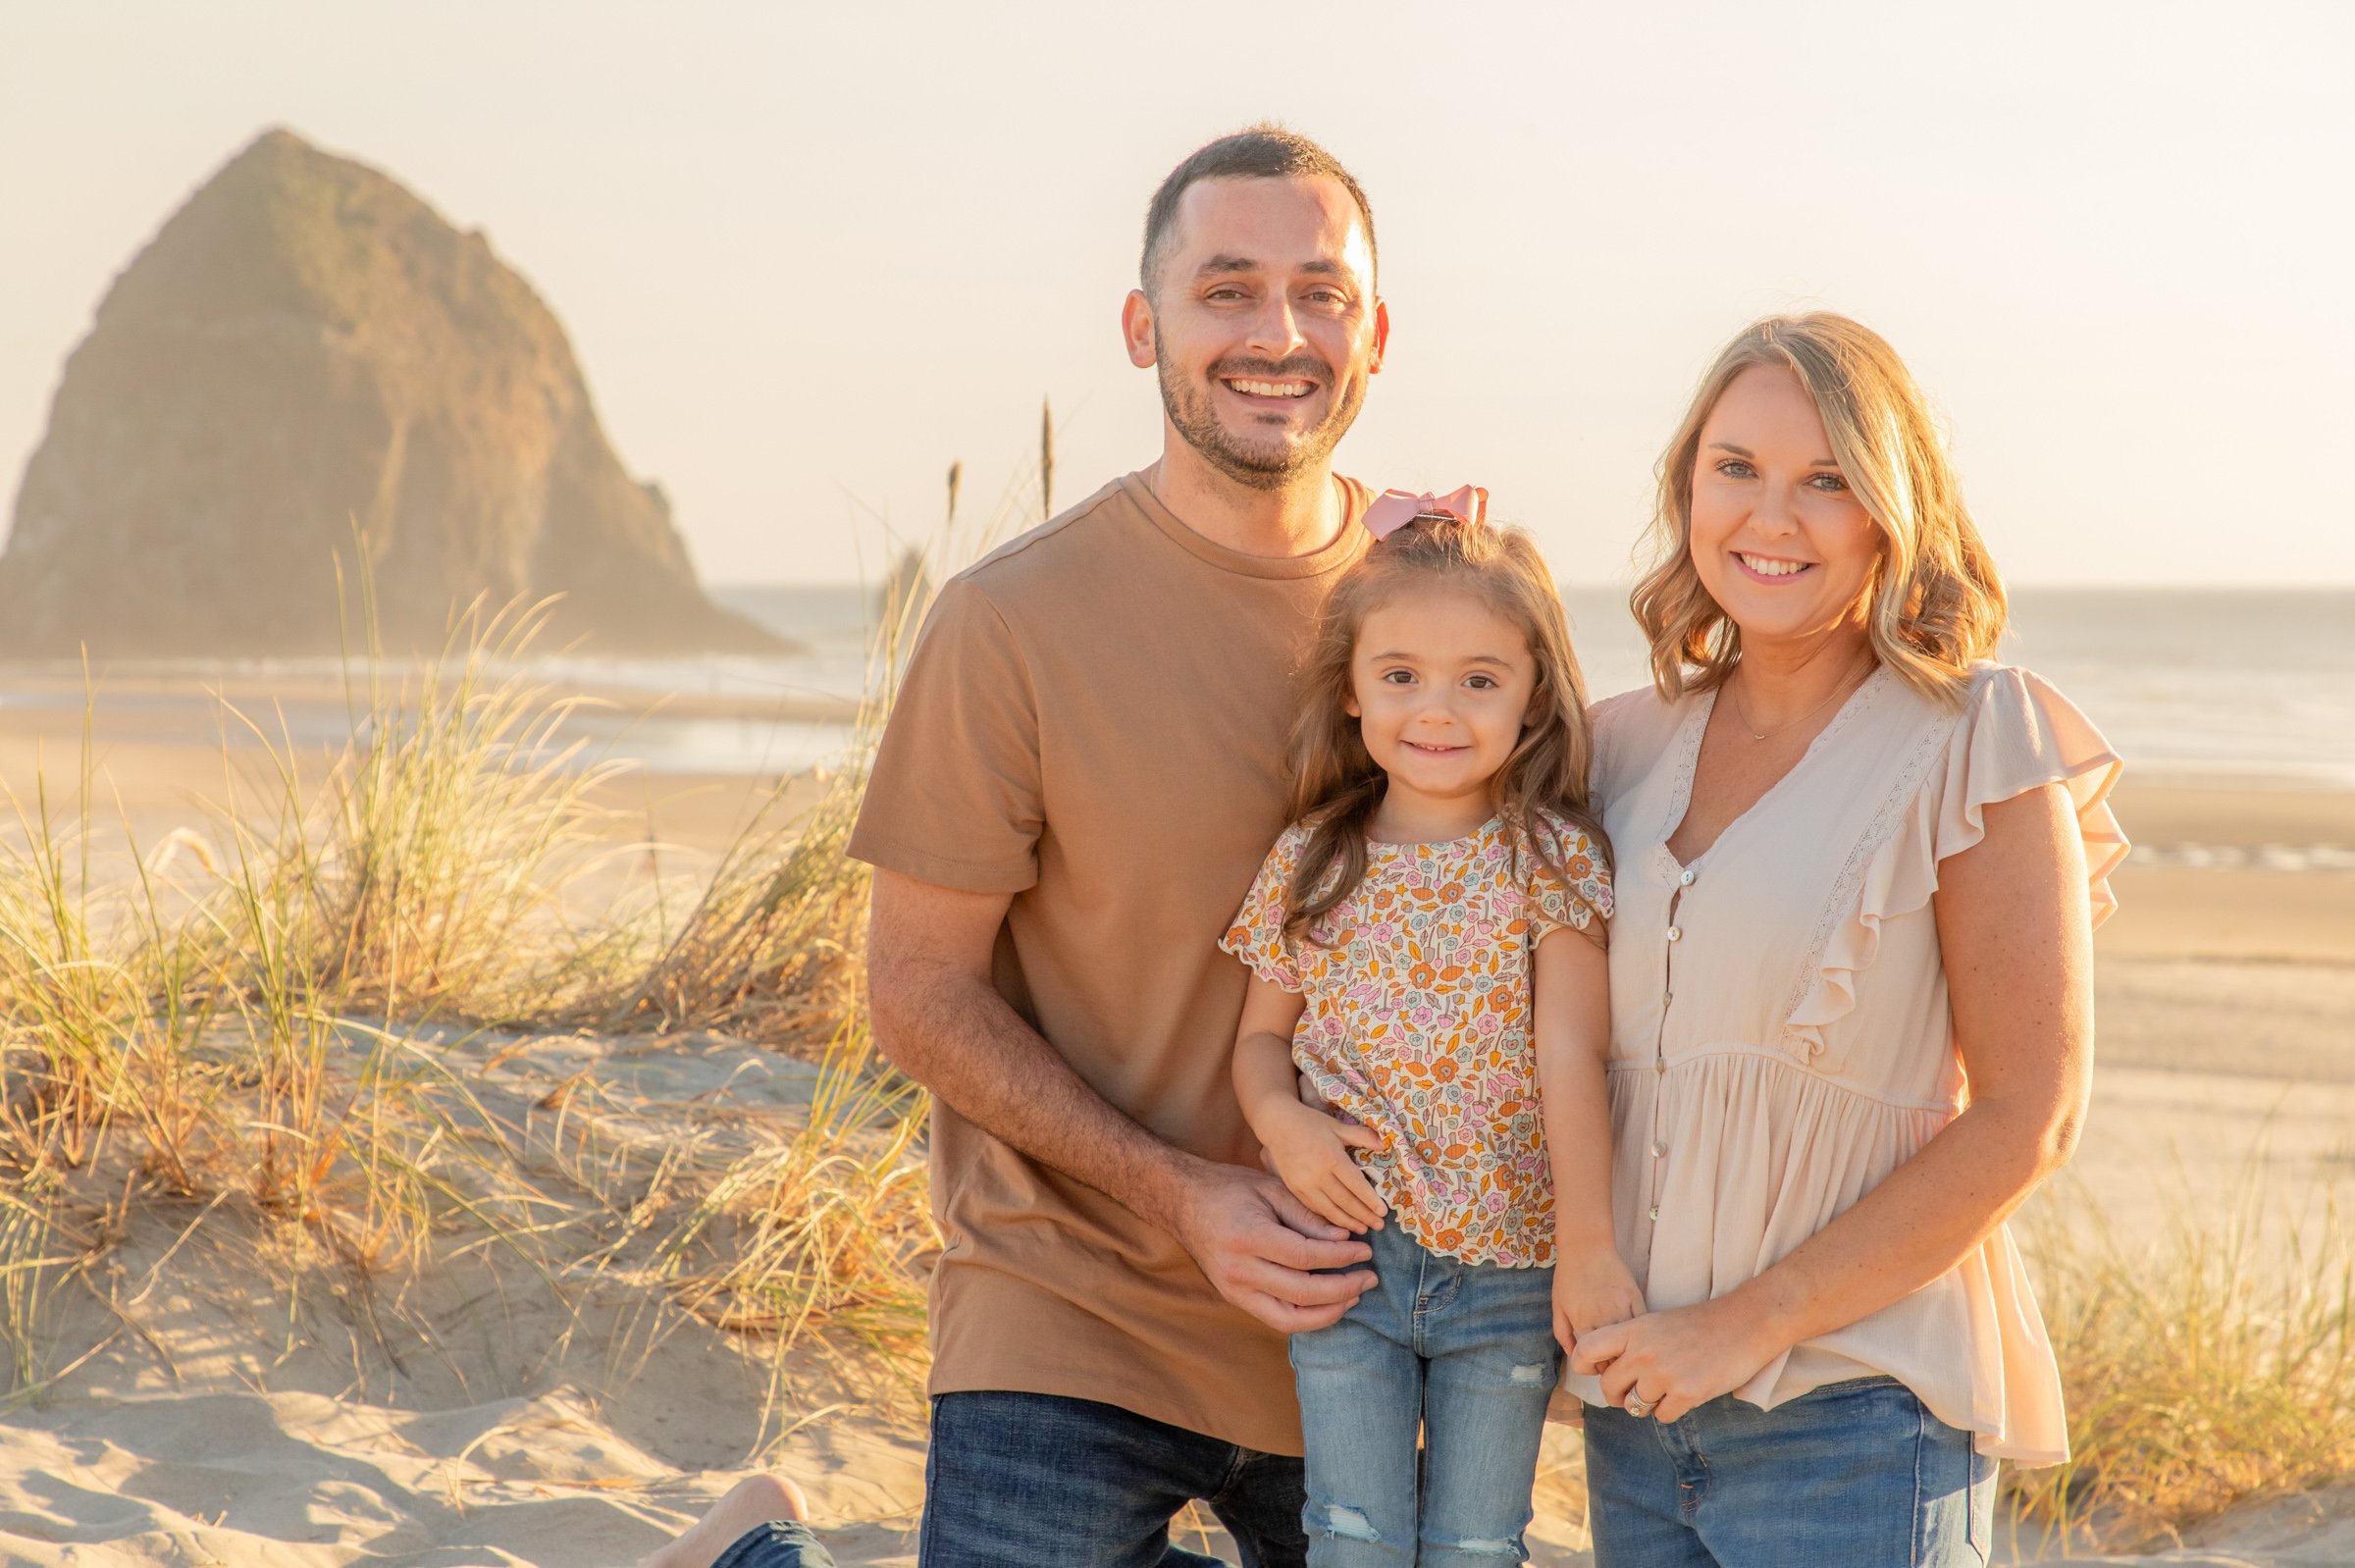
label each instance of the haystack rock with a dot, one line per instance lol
(308, 355)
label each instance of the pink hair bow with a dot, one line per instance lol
(1393, 509)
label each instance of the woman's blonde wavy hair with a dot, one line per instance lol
(1336, 782)
(1936, 600)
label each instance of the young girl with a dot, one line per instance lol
(1427, 948)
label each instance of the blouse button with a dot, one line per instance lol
(1674, 935)
(1659, 1066)
(1655, 1211)
(1685, 879)
(1659, 1149)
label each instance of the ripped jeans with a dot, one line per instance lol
(1461, 1354)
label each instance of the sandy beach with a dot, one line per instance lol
(488, 1415)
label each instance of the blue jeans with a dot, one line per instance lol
(1463, 1356)
(1022, 1479)
(779, 1543)
(1851, 1475)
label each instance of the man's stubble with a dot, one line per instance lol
(1190, 414)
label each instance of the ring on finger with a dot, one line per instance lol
(1639, 1407)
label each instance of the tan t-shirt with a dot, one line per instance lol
(1093, 722)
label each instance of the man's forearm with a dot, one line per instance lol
(957, 1037)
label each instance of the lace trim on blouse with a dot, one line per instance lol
(1896, 803)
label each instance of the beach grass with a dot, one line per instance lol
(247, 1029)
(2211, 1366)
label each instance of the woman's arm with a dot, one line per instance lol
(2016, 933)
(1308, 1148)
(1572, 1030)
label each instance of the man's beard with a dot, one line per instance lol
(1270, 467)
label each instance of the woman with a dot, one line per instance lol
(1859, 868)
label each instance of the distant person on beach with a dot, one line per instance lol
(1082, 771)
(1426, 943)
(1858, 868)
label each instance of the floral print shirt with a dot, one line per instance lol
(1418, 1021)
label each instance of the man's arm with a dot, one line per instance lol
(940, 1021)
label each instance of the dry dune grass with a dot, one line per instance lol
(273, 1030)
(2204, 1367)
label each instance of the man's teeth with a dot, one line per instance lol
(1766, 567)
(1273, 389)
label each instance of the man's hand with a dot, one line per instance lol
(1589, 1292)
(1310, 1151)
(1258, 1244)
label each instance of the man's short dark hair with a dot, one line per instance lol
(1257, 152)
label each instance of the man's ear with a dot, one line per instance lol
(1136, 328)
(1381, 336)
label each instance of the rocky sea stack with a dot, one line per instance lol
(307, 349)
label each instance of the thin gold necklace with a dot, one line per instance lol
(1742, 711)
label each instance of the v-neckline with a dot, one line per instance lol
(1689, 744)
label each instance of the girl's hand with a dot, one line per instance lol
(1591, 1291)
(1310, 1151)
(1680, 1358)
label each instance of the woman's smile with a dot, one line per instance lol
(1769, 568)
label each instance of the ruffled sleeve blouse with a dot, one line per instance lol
(1781, 1039)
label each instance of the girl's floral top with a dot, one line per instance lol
(1418, 1021)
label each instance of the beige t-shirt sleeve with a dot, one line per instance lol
(953, 797)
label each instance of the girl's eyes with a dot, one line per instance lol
(1828, 483)
(1406, 677)
(1736, 468)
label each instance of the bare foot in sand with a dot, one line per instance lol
(747, 1503)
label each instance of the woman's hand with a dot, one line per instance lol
(1590, 1290)
(1680, 1358)
(1310, 1151)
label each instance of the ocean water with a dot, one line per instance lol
(2231, 687)
(2253, 687)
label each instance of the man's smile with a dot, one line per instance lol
(1253, 389)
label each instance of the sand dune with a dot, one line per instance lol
(484, 1415)
(487, 1421)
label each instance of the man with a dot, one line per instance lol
(1078, 781)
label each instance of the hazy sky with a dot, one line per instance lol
(808, 256)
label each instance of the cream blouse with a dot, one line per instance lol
(1780, 1032)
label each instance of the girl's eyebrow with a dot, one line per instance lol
(1469, 658)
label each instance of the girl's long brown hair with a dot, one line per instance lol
(1336, 783)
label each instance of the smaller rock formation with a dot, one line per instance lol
(306, 350)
